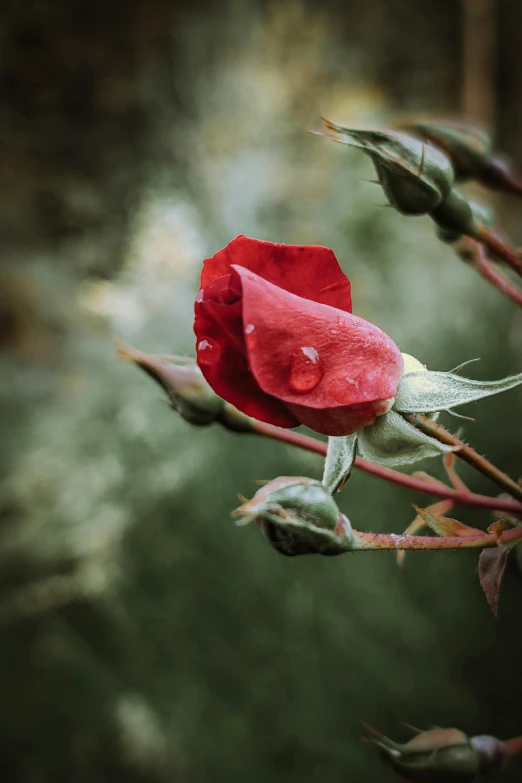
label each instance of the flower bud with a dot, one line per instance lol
(298, 517)
(415, 176)
(491, 752)
(188, 392)
(434, 756)
(480, 214)
(468, 147)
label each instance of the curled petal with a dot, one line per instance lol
(312, 356)
(312, 272)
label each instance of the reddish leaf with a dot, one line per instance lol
(492, 564)
(444, 526)
(441, 507)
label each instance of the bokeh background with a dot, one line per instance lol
(143, 637)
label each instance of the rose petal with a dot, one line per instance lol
(221, 354)
(312, 272)
(312, 355)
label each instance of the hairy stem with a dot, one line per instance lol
(466, 453)
(472, 252)
(365, 541)
(498, 248)
(459, 498)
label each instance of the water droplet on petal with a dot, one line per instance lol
(249, 328)
(306, 370)
(201, 295)
(208, 351)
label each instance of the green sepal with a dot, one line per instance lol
(339, 461)
(391, 440)
(425, 392)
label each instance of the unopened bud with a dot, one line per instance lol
(435, 756)
(480, 213)
(415, 176)
(468, 146)
(299, 517)
(471, 152)
(188, 392)
(491, 752)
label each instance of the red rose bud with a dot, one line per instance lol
(435, 756)
(276, 338)
(415, 176)
(188, 392)
(298, 517)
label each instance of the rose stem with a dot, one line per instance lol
(394, 541)
(460, 498)
(498, 247)
(466, 453)
(513, 746)
(472, 253)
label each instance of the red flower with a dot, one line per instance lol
(276, 338)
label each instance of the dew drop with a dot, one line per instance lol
(306, 370)
(249, 328)
(201, 295)
(208, 351)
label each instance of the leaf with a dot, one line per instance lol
(443, 526)
(441, 507)
(391, 440)
(425, 392)
(492, 564)
(339, 462)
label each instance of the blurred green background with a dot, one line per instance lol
(144, 638)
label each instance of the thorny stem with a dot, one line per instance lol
(394, 541)
(459, 498)
(513, 746)
(472, 252)
(498, 248)
(466, 453)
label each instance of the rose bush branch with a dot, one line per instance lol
(434, 488)
(472, 253)
(467, 454)
(193, 399)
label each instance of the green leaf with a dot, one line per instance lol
(339, 461)
(391, 440)
(425, 392)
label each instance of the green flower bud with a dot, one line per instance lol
(468, 147)
(415, 176)
(188, 392)
(480, 214)
(435, 756)
(298, 517)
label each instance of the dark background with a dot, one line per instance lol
(143, 636)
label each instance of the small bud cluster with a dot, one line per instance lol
(418, 169)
